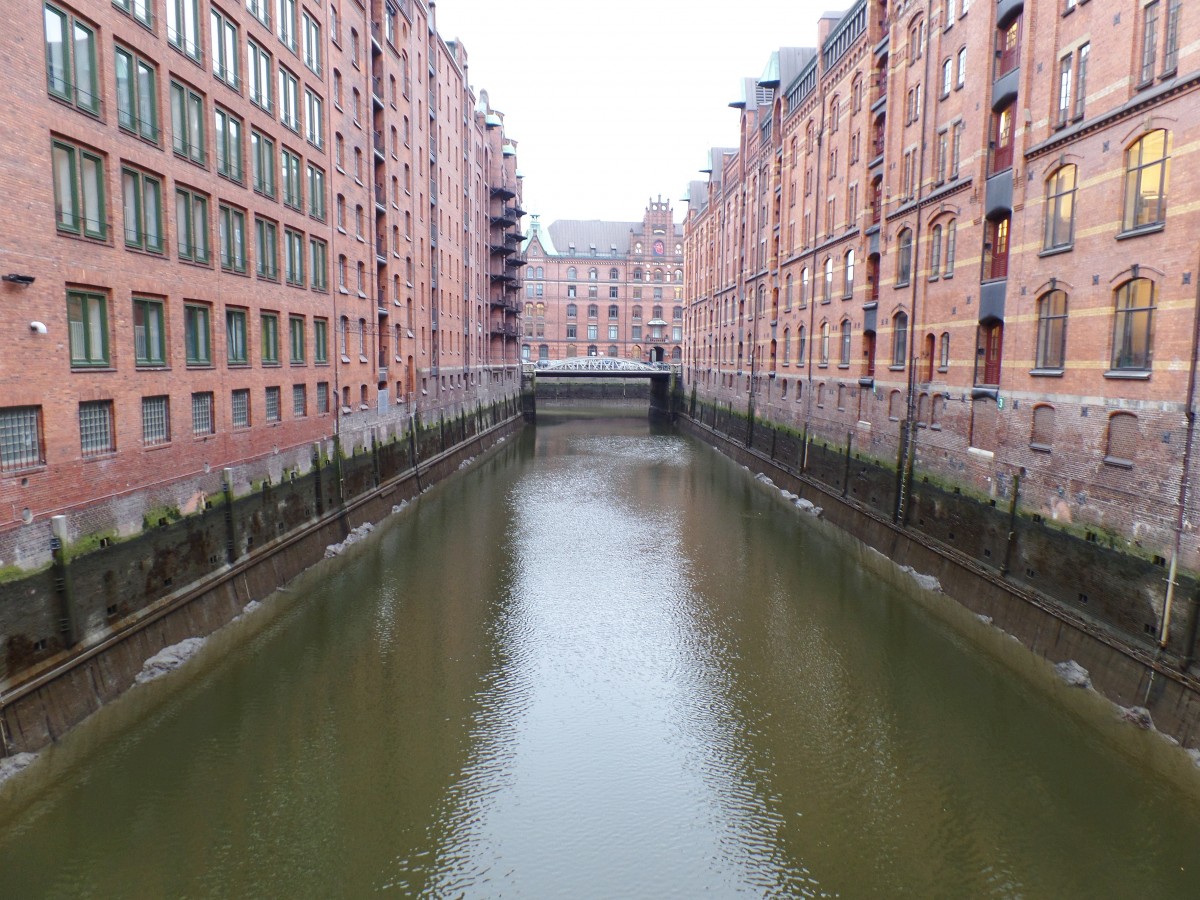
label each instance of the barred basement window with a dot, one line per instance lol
(273, 413)
(322, 397)
(1042, 436)
(1122, 440)
(202, 413)
(299, 401)
(96, 428)
(21, 438)
(239, 406)
(156, 421)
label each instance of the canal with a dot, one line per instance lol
(605, 662)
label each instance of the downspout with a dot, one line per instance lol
(812, 280)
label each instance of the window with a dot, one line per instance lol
(1149, 40)
(270, 339)
(935, 252)
(139, 9)
(944, 351)
(844, 359)
(1041, 436)
(239, 407)
(202, 414)
(191, 225)
(196, 334)
(612, 332)
(613, 311)
(848, 275)
(71, 59)
(299, 401)
(187, 123)
(261, 10)
(947, 76)
(265, 251)
(87, 323)
(296, 339)
(995, 250)
(143, 211)
(21, 438)
(824, 348)
(79, 191)
(183, 26)
(592, 332)
(1065, 71)
(225, 46)
(1060, 208)
(235, 337)
(293, 255)
(804, 287)
(318, 264)
(312, 44)
(1122, 440)
(1081, 65)
(314, 118)
(1008, 48)
(1146, 182)
(285, 16)
(149, 336)
(316, 193)
(572, 331)
(96, 436)
(988, 349)
(951, 230)
(961, 76)
(899, 339)
(904, 257)
(231, 232)
(258, 75)
(289, 109)
(137, 95)
(262, 164)
(320, 341)
(156, 421)
(289, 164)
(1051, 330)
(827, 293)
(593, 310)
(322, 397)
(228, 137)
(1171, 38)
(613, 292)
(956, 147)
(1132, 323)
(1001, 143)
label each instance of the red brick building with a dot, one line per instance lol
(963, 234)
(235, 230)
(595, 288)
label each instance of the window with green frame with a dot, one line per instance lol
(296, 333)
(289, 164)
(228, 137)
(225, 45)
(235, 337)
(149, 336)
(139, 9)
(262, 164)
(197, 334)
(137, 95)
(316, 193)
(258, 76)
(320, 341)
(71, 59)
(270, 339)
(187, 123)
(87, 327)
(191, 225)
(319, 268)
(293, 255)
(143, 211)
(231, 225)
(79, 191)
(265, 249)
(183, 26)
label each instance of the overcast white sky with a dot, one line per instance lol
(616, 102)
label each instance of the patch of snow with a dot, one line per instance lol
(1195, 755)
(399, 506)
(1138, 715)
(11, 765)
(1073, 674)
(764, 479)
(251, 606)
(168, 659)
(929, 582)
(352, 538)
(986, 620)
(466, 462)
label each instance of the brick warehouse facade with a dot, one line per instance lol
(237, 230)
(956, 244)
(595, 288)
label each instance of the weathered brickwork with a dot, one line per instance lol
(233, 237)
(958, 239)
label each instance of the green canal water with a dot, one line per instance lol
(605, 662)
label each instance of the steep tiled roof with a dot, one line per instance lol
(584, 233)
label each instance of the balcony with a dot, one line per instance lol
(377, 90)
(507, 329)
(377, 36)
(515, 262)
(380, 197)
(380, 248)
(503, 192)
(378, 144)
(501, 250)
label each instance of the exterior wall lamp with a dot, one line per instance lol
(23, 280)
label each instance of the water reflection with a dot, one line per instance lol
(606, 663)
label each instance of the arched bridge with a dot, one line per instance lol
(589, 373)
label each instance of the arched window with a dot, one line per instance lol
(848, 275)
(856, 94)
(592, 351)
(677, 313)
(1121, 444)
(828, 292)
(801, 346)
(637, 274)
(657, 312)
(904, 256)
(612, 350)
(593, 311)
(525, 352)
(922, 410)
(658, 275)
(1146, 182)
(787, 295)
(636, 314)
(1041, 436)
(824, 349)
(787, 346)
(529, 271)
(895, 406)
(1132, 324)
(613, 311)
(935, 252)
(845, 357)
(1060, 208)
(804, 287)
(572, 310)
(593, 274)
(899, 339)
(572, 273)
(1051, 330)
(613, 275)
(679, 274)
(540, 272)
(944, 350)
(835, 107)
(543, 351)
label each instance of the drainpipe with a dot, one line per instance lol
(1184, 488)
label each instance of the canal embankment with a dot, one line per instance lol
(119, 602)
(853, 493)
